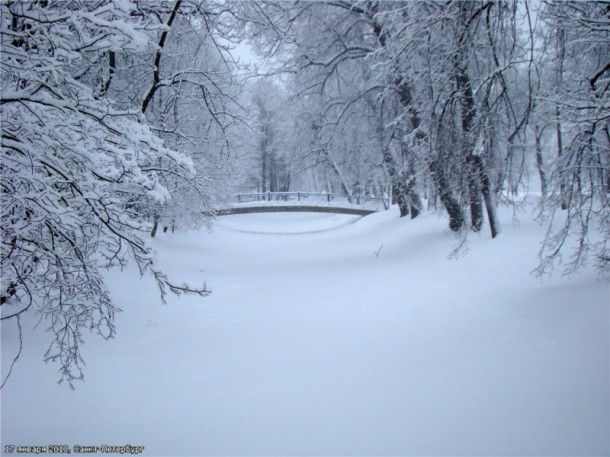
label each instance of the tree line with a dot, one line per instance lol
(463, 103)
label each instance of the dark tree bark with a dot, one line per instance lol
(468, 109)
(156, 78)
(478, 178)
(415, 203)
(488, 194)
(475, 193)
(559, 82)
(264, 160)
(456, 216)
(153, 232)
(540, 161)
(400, 190)
(111, 71)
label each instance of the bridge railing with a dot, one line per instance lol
(312, 198)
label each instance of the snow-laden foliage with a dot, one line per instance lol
(76, 171)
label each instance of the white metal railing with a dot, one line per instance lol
(312, 199)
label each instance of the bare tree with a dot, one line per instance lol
(578, 183)
(187, 87)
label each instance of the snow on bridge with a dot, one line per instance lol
(305, 201)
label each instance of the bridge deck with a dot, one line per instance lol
(296, 208)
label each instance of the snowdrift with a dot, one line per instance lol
(333, 334)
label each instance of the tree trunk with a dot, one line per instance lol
(401, 199)
(400, 191)
(344, 186)
(540, 161)
(456, 216)
(264, 166)
(415, 203)
(403, 190)
(559, 81)
(157, 63)
(478, 180)
(468, 114)
(488, 195)
(431, 194)
(153, 232)
(475, 194)
(607, 172)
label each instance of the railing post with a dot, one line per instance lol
(298, 196)
(358, 200)
(238, 198)
(328, 198)
(268, 196)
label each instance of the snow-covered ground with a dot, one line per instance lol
(332, 334)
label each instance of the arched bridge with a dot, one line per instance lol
(305, 201)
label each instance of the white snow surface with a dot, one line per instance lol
(333, 334)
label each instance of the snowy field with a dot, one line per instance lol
(331, 334)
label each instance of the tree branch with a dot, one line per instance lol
(156, 79)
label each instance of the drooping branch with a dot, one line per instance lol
(598, 74)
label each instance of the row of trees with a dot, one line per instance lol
(452, 101)
(121, 117)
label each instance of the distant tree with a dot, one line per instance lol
(73, 162)
(271, 117)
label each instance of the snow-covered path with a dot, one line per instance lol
(331, 334)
